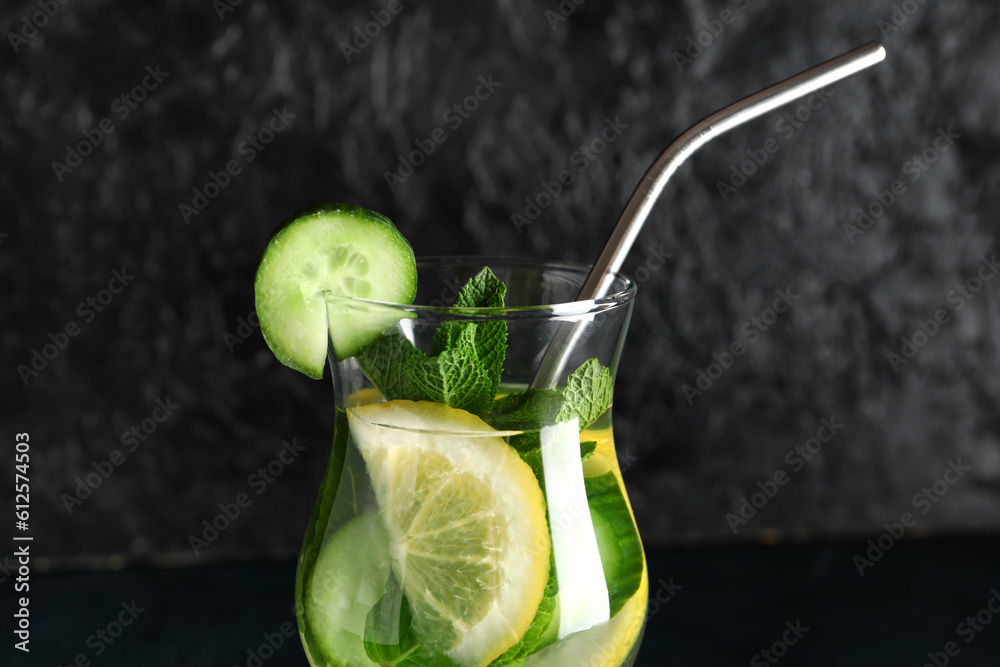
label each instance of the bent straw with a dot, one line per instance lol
(646, 194)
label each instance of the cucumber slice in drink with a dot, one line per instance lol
(617, 539)
(348, 579)
(339, 249)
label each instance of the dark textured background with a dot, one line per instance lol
(689, 465)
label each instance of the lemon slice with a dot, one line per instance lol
(466, 523)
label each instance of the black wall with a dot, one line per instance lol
(177, 331)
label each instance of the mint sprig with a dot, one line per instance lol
(463, 370)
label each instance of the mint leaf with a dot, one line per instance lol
(384, 362)
(389, 637)
(456, 376)
(530, 409)
(467, 382)
(587, 394)
(489, 340)
(465, 366)
(421, 658)
(484, 290)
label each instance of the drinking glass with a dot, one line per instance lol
(458, 590)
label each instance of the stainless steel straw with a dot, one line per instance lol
(641, 203)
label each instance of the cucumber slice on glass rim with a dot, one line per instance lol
(338, 249)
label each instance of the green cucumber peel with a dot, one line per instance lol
(617, 538)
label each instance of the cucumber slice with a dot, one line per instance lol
(348, 579)
(617, 539)
(340, 249)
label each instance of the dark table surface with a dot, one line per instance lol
(718, 606)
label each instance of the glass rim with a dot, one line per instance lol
(611, 301)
